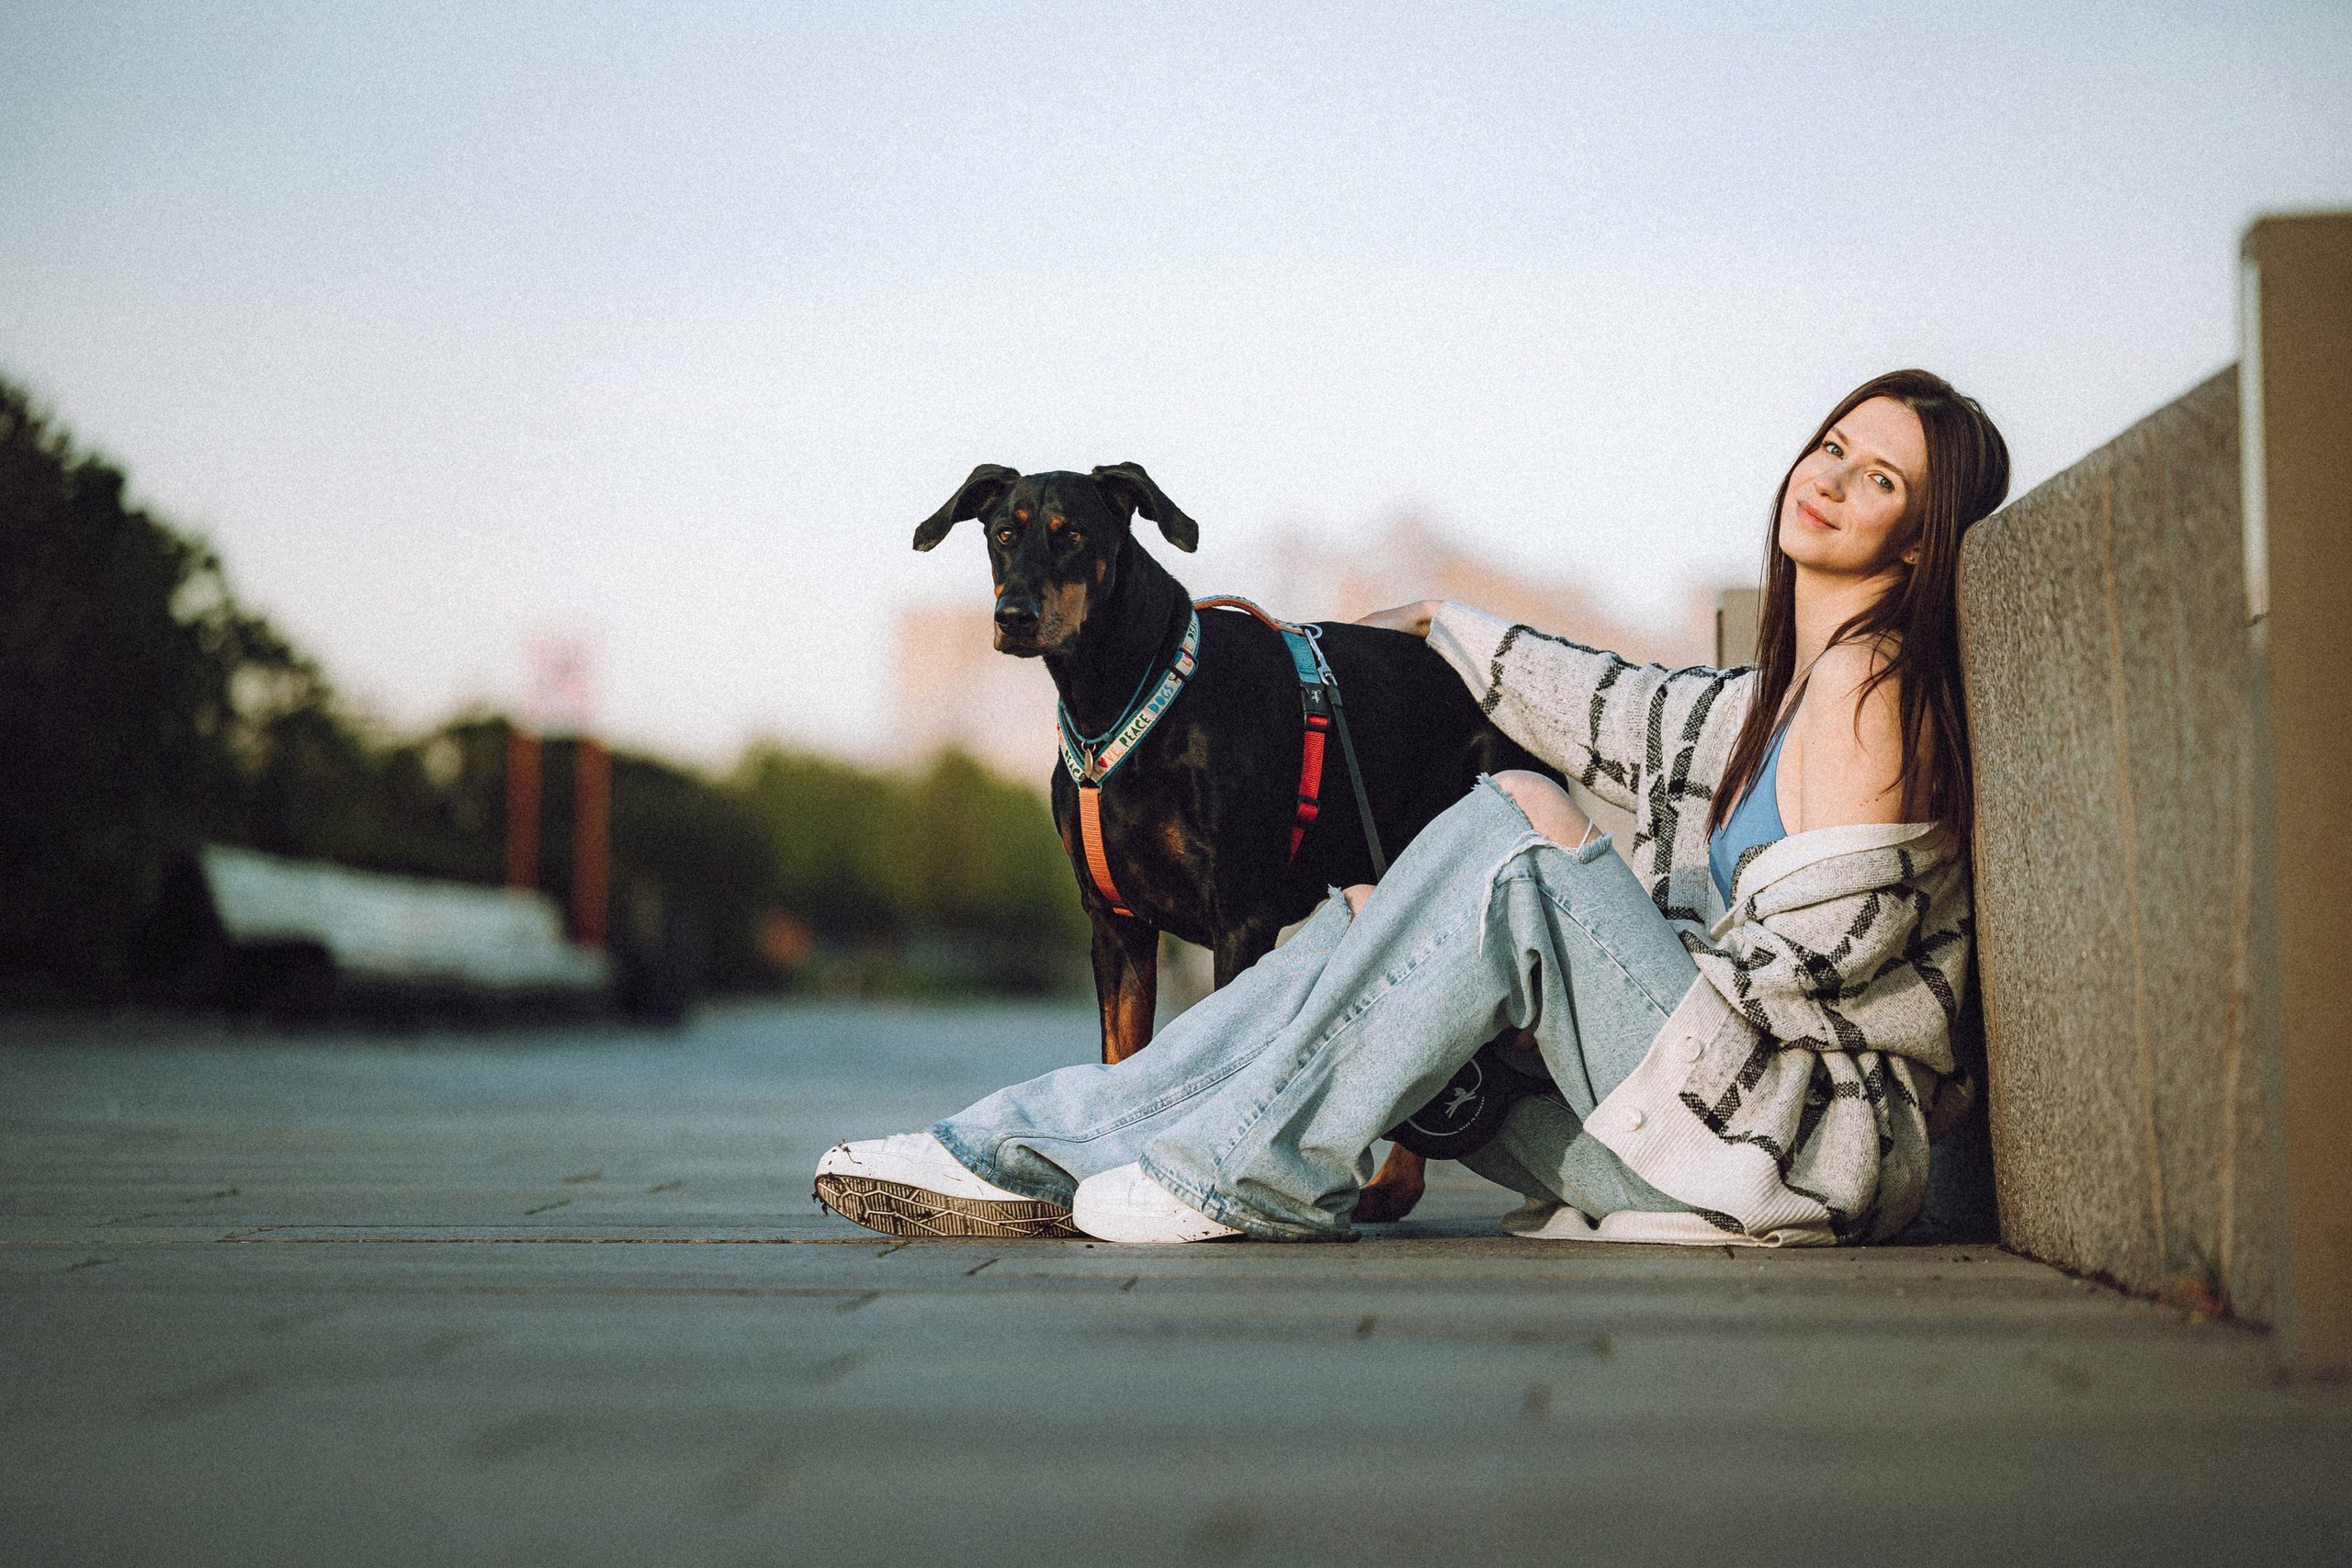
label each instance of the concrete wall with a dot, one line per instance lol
(2105, 634)
(2298, 421)
(2158, 645)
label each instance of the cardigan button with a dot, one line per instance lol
(1632, 1118)
(1689, 1048)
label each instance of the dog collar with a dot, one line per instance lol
(1092, 761)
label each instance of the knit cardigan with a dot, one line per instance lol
(1790, 1097)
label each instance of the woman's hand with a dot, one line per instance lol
(1413, 617)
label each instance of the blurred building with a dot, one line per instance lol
(1412, 558)
(952, 688)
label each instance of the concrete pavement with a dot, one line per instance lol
(562, 1297)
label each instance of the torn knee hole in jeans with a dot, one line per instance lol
(1532, 840)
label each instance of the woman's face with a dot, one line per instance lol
(1847, 498)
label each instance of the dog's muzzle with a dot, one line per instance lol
(1016, 625)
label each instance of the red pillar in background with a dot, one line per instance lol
(522, 808)
(592, 778)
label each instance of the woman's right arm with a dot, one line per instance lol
(1584, 710)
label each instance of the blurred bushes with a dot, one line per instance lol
(949, 879)
(143, 712)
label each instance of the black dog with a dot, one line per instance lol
(1196, 824)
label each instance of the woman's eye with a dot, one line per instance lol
(1883, 482)
(1832, 449)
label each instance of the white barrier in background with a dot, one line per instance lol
(380, 927)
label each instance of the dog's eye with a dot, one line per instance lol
(1007, 534)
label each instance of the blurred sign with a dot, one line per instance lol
(560, 682)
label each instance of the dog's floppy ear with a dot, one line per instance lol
(1131, 490)
(979, 493)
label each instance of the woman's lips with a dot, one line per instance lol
(1815, 518)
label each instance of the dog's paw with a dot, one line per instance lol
(1383, 1202)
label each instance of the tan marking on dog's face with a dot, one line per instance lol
(1061, 611)
(1021, 514)
(1172, 839)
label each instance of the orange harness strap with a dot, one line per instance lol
(1089, 832)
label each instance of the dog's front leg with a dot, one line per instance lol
(1240, 945)
(1126, 981)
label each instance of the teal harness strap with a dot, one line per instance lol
(1091, 761)
(1303, 655)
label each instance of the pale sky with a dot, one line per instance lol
(666, 324)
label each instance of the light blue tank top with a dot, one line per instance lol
(1755, 820)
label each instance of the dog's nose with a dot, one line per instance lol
(1017, 620)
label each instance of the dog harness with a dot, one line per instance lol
(1092, 761)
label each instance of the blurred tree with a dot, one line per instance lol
(137, 703)
(956, 864)
(993, 867)
(834, 830)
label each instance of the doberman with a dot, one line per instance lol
(1197, 822)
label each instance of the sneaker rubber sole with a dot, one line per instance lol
(896, 1208)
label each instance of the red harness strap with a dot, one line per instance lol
(1318, 719)
(1310, 780)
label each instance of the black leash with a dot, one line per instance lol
(1356, 772)
(1318, 695)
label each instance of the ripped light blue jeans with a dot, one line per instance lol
(1260, 1105)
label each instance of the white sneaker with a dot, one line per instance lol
(1127, 1205)
(908, 1184)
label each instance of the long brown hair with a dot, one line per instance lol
(1916, 620)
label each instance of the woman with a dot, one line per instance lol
(1745, 1037)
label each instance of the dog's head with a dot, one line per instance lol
(1055, 542)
